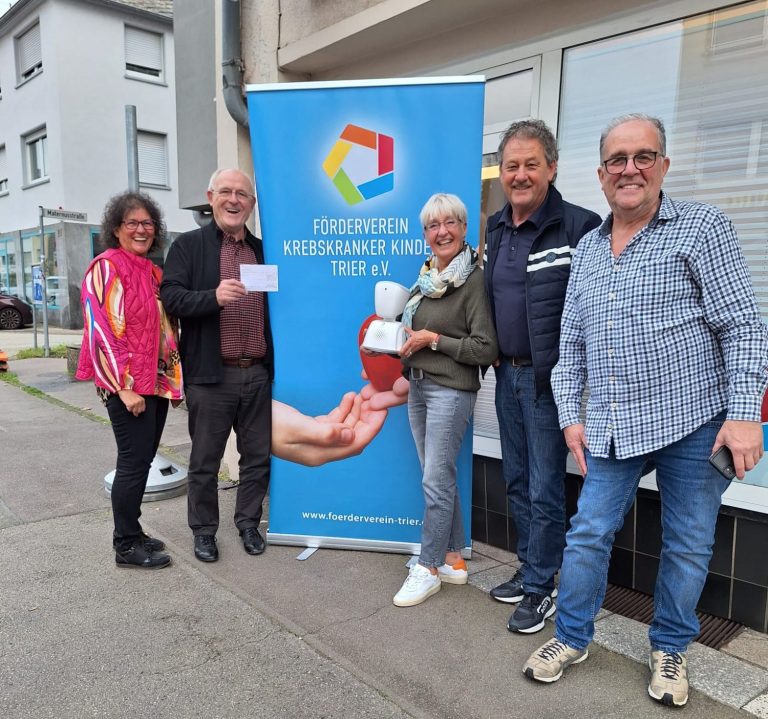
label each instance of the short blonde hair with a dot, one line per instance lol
(443, 205)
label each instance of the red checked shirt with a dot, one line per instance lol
(242, 321)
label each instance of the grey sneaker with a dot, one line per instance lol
(547, 663)
(669, 678)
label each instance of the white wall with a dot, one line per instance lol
(81, 95)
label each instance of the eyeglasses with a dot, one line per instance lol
(449, 225)
(241, 195)
(133, 225)
(641, 161)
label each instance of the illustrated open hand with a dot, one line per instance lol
(344, 432)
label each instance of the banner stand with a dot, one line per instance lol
(342, 170)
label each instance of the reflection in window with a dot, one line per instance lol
(715, 112)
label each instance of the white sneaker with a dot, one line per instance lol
(455, 573)
(420, 585)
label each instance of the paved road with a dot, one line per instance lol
(11, 341)
(249, 636)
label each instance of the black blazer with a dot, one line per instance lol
(188, 291)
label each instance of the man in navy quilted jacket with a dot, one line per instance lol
(529, 245)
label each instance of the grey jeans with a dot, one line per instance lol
(439, 418)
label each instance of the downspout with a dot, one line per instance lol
(232, 63)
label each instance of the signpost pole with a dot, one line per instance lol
(46, 345)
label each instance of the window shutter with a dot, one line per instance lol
(143, 52)
(29, 52)
(153, 159)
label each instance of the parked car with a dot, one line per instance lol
(14, 313)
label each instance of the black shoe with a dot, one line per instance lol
(156, 545)
(530, 615)
(510, 592)
(253, 542)
(205, 548)
(139, 556)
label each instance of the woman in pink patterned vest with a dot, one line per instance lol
(130, 351)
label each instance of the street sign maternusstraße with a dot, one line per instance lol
(64, 215)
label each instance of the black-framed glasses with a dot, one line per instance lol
(133, 225)
(642, 161)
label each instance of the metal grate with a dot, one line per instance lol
(715, 631)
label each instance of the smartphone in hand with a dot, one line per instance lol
(722, 461)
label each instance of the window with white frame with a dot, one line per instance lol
(714, 111)
(29, 56)
(143, 54)
(153, 158)
(35, 150)
(3, 171)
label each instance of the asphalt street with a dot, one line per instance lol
(265, 636)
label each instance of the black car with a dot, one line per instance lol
(14, 313)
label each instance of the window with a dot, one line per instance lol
(143, 54)
(153, 159)
(29, 58)
(732, 30)
(714, 114)
(3, 171)
(35, 148)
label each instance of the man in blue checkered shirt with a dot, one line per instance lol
(661, 323)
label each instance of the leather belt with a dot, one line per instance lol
(520, 361)
(242, 362)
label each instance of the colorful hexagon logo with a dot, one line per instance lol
(361, 164)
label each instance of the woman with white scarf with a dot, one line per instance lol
(450, 336)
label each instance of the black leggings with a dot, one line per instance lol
(137, 441)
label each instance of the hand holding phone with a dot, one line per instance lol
(722, 461)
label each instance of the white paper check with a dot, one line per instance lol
(259, 278)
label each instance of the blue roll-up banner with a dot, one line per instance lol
(342, 170)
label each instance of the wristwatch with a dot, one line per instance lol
(433, 343)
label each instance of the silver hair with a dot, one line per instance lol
(631, 117)
(442, 205)
(215, 176)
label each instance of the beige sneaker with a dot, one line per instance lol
(547, 663)
(669, 678)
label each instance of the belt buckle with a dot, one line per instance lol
(514, 362)
(244, 362)
(417, 373)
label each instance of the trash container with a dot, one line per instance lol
(73, 357)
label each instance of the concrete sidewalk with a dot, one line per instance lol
(267, 636)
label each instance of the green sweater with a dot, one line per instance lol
(467, 337)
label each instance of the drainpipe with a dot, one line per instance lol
(231, 62)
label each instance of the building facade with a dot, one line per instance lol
(68, 68)
(698, 64)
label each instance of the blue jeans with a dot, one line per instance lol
(534, 454)
(439, 418)
(690, 491)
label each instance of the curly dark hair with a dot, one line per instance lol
(120, 205)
